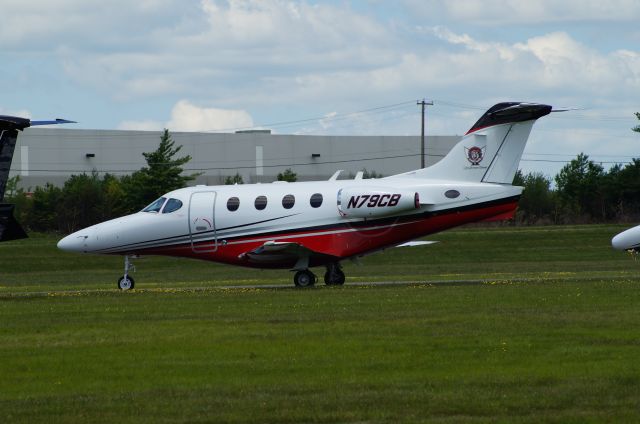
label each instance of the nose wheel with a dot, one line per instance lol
(126, 282)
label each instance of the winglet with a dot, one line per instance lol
(335, 175)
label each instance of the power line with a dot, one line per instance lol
(317, 118)
(235, 167)
(286, 165)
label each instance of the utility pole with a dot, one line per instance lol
(423, 103)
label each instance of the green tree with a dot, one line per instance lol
(18, 197)
(288, 175)
(580, 189)
(162, 174)
(366, 174)
(637, 127)
(622, 191)
(537, 203)
(43, 214)
(11, 188)
(236, 179)
(115, 197)
(81, 203)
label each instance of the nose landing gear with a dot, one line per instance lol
(126, 282)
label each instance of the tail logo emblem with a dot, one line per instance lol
(475, 154)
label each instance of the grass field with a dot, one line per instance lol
(544, 329)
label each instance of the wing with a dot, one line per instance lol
(285, 254)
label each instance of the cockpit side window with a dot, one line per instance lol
(172, 205)
(155, 206)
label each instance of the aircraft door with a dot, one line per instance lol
(202, 224)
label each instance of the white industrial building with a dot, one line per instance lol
(53, 154)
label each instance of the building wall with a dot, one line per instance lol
(52, 154)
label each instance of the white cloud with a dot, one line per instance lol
(515, 12)
(552, 60)
(46, 25)
(22, 113)
(186, 116)
(146, 125)
(289, 23)
(230, 46)
(287, 60)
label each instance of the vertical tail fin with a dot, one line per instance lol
(492, 148)
(9, 126)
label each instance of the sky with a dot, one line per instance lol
(331, 67)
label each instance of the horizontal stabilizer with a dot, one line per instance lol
(9, 227)
(16, 123)
(54, 122)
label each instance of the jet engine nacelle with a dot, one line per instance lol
(366, 202)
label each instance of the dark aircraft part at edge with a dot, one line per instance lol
(9, 127)
(9, 227)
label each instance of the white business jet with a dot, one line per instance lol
(302, 225)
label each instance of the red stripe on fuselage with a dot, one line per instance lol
(338, 243)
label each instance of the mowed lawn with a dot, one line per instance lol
(538, 325)
(467, 253)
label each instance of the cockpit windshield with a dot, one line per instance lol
(172, 205)
(155, 206)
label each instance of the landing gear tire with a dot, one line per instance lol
(334, 275)
(304, 278)
(126, 283)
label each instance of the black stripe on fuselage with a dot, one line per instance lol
(383, 221)
(198, 236)
(334, 226)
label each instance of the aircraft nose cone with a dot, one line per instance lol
(629, 239)
(73, 243)
(616, 242)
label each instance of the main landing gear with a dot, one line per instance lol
(126, 282)
(333, 277)
(304, 278)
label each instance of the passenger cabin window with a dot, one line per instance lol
(172, 205)
(155, 206)
(316, 200)
(261, 202)
(288, 201)
(233, 204)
